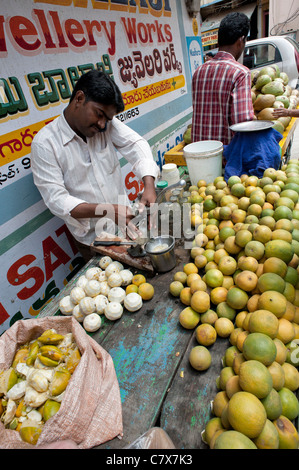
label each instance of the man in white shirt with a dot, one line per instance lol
(75, 165)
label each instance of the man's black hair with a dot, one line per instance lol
(99, 87)
(232, 27)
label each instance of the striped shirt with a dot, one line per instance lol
(221, 94)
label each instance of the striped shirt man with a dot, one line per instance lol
(221, 94)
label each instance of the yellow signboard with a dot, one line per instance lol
(209, 38)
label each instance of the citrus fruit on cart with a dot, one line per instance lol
(200, 358)
(146, 290)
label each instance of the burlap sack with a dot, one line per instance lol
(90, 413)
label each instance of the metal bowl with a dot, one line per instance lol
(162, 257)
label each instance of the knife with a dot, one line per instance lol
(112, 242)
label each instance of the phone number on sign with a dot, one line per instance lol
(128, 114)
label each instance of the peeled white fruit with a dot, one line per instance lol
(92, 322)
(105, 261)
(126, 276)
(102, 276)
(113, 311)
(101, 301)
(77, 294)
(66, 305)
(92, 273)
(119, 265)
(117, 294)
(87, 305)
(104, 288)
(111, 268)
(81, 282)
(78, 314)
(133, 302)
(115, 280)
(92, 288)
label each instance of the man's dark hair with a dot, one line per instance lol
(99, 87)
(232, 27)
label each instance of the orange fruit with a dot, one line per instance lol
(188, 318)
(146, 290)
(246, 280)
(180, 276)
(248, 263)
(132, 288)
(197, 284)
(185, 296)
(200, 358)
(205, 334)
(237, 298)
(214, 278)
(227, 265)
(138, 279)
(270, 281)
(218, 295)
(275, 265)
(273, 301)
(192, 277)
(255, 248)
(190, 268)
(224, 327)
(200, 301)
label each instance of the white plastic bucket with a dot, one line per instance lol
(204, 160)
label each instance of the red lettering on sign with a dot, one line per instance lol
(16, 279)
(51, 247)
(132, 183)
(22, 27)
(3, 314)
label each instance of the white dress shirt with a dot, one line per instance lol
(68, 171)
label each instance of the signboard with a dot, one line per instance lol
(209, 38)
(45, 46)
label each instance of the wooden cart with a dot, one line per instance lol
(150, 351)
(175, 155)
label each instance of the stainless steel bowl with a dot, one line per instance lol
(162, 257)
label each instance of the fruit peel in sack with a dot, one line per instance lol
(32, 390)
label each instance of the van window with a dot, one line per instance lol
(261, 55)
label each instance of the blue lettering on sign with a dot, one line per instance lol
(160, 154)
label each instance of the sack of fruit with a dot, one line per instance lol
(56, 383)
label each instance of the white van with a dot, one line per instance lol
(280, 50)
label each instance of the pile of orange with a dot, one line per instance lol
(242, 283)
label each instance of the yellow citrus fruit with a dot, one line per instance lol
(192, 277)
(185, 296)
(138, 279)
(268, 438)
(219, 403)
(273, 301)
(180, 276)
(205, 334)
(146, 290)
(200, 358)
(288, 434)
(131, 288)
(246, 280)
(263, 321)
(188, 318)
(254, 377)
(200, 301)
(246, 414)
(175, 288)
(224, 327)
(190, 268)
(197, 284)
(218, 295)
